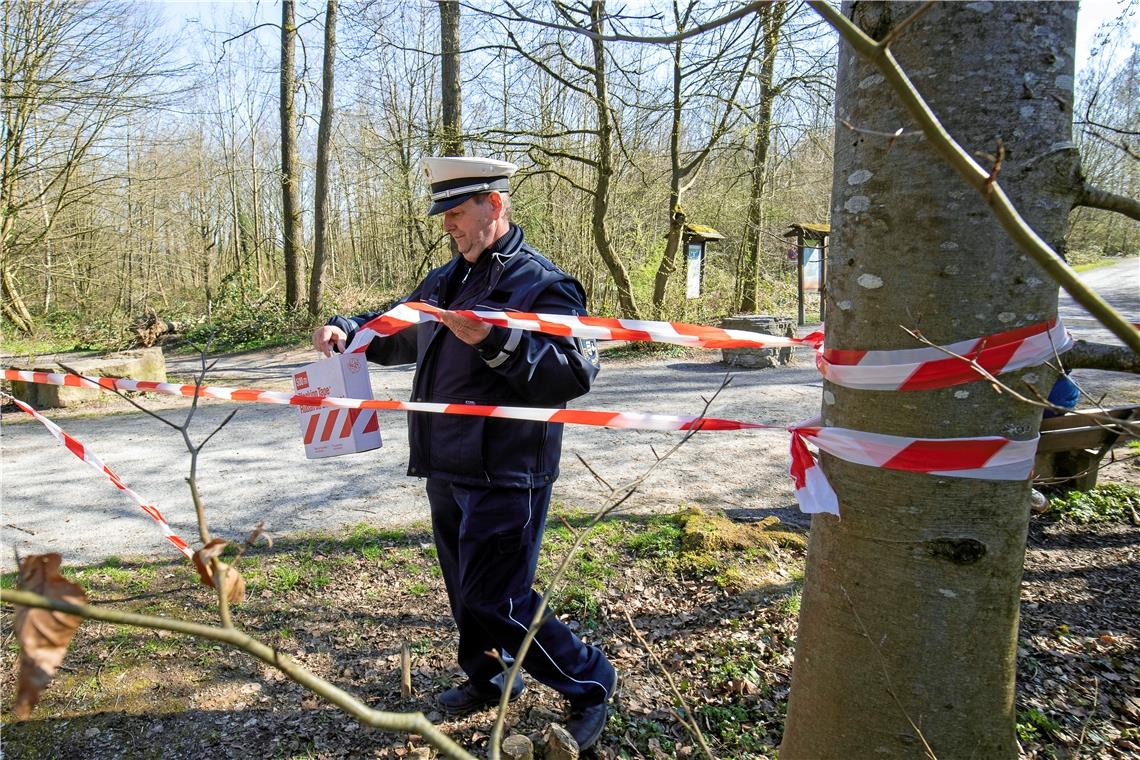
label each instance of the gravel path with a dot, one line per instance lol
(255, 468)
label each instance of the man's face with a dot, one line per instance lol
(471, 225)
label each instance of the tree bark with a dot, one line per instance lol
(451, 101)
(13, 305)
(909, 615)
(324, 140)
(290, 169)
(1086, 355)
(676, 213)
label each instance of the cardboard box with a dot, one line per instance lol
(328, 431)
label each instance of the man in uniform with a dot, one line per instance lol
(489, 480)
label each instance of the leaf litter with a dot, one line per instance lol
(722, 622)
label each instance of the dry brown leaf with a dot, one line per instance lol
(259, 532)
(44, 635)
(235, 583)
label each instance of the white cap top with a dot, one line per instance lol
(454, 179)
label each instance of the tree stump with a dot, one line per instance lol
(756, 358)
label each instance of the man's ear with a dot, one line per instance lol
(496, 200)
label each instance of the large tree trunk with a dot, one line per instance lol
(290, 170)
(601, 196)
(324, 140)
(772, 17)
(451, 100)
(908, 623)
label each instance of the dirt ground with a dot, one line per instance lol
(722, 624)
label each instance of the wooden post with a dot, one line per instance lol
(823, 279)
(800, 273)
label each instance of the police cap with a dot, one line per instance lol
(454, 179)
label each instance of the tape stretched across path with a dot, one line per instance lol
(986, 457)
(589, 417)
(911, 369)
(404, 315)
(89, 457)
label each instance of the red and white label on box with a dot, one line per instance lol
(331, 431)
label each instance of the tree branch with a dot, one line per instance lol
(1093, 197)
(1086, 355)
(403, 722)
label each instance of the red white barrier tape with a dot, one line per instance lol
(604, 328)
(918, 369)
(985, 458)
(88, 456)
(594, 418)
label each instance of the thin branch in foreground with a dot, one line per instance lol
(401, 722)
(901, 27)
(1097, 417)
(614, 500)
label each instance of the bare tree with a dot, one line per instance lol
(72, 71)
(451, 101)
(324, 139)
(686, 161)
(290, 168)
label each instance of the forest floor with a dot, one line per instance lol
(721, 620)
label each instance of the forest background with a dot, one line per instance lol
(143, 156)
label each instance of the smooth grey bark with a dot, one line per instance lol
(290, 168)
(324, 143)
(908, 622)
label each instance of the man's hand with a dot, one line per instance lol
(326, 337)
(470, 331)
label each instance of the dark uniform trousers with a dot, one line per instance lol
(488, 541)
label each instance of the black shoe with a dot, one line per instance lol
(470, 696)
(586, 724)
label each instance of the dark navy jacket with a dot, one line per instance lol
(510, 368)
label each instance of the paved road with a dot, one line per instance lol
(1119, 285)
(255, 469)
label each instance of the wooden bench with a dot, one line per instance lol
(1072, 446)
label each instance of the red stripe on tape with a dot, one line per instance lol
(74, 446)
(933, 455)
(843, 356)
